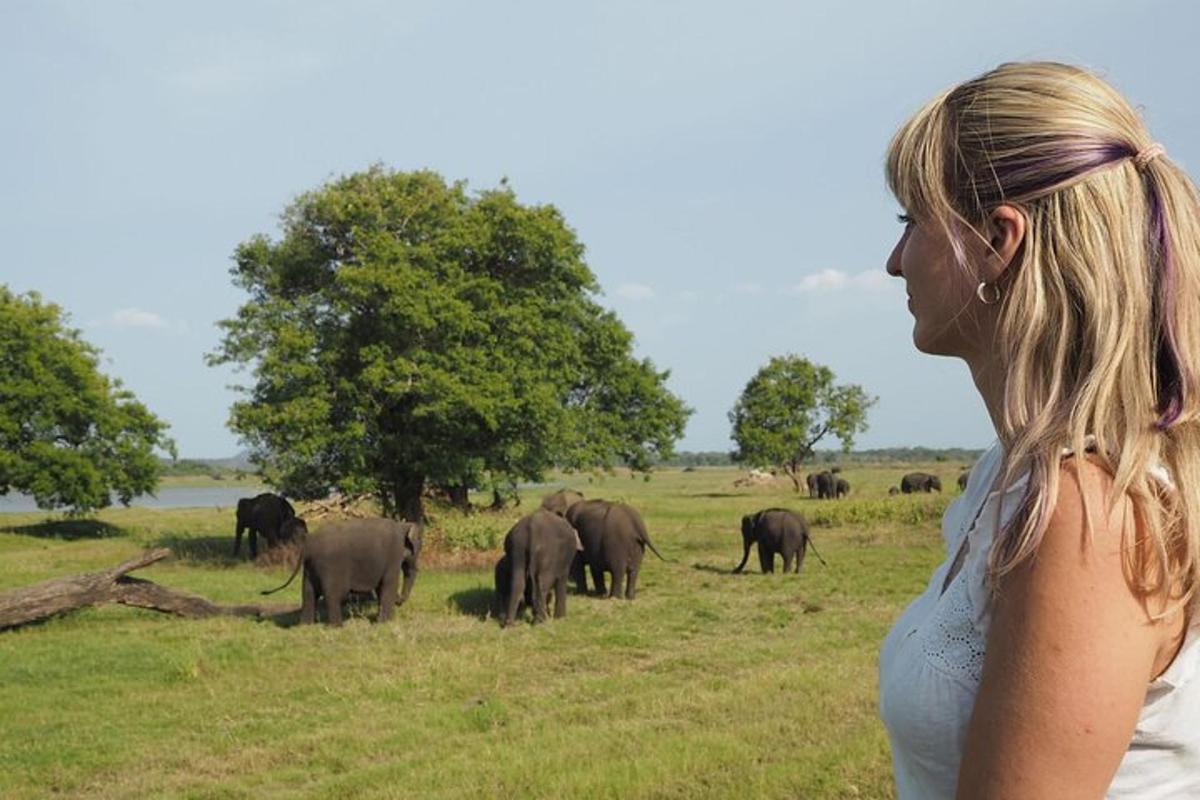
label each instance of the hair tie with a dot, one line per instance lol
(1147, 154)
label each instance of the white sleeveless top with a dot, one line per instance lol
(931, 662)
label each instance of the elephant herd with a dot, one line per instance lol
(564, 541)
(827, 485)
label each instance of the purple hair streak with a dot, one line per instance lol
(1172, 378)
(1063, 162)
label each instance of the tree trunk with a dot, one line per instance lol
(793, 472)
(406, 499)
(497, 500)
(459, 496)
(58, 596)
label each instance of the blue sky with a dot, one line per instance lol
(722, 163)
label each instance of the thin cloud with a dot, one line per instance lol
(635, 291)
(136, 318)
(748, 288)
(232, 65)
(832, 280)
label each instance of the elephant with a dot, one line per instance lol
(963, 477)
(811, 480)
(265, 515)
(893, 490)
(775, 530)
(826, 485)
(357, 555)
(614, 540)
(841, 487)
(538, 553)
(560, 501)
(920, 482)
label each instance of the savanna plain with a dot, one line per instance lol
(709, 684)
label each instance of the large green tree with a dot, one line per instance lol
(404, 333)
(69, 435)
(789, 406)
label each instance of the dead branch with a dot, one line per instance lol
(61, 595)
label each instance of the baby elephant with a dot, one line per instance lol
(538, 552)
(775, 530)
(357, 555)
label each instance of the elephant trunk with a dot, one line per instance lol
(745, 555)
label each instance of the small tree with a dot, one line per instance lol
(69, 435)
(788, 407)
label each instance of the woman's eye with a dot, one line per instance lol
(904, 219)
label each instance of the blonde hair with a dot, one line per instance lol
(1100, 318)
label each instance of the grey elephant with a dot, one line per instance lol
(262, 515)
(826, 485)
(963, 477)
(560, 501)
(357, 555)
(920, 482)
(775, 531)
(841, 487)
(538, 553)
(811, 480)
(614, 540)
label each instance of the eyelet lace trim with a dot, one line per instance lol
(950, 639)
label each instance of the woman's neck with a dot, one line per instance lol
(989, 382)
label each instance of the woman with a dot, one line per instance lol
(1051, 244)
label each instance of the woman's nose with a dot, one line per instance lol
(893, 262)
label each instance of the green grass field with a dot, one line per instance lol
(708, 685)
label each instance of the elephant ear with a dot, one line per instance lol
(748, 523)
(412, 538)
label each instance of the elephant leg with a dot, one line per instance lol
(787, 561)
(334, 598)
(766, 558)
(539, 599)
(387, 595)
(598, 578)
(619, 568)
(308, 606)
(237, 540)
(560, 598)
(631, 583)
(579, 574)
(253, 538)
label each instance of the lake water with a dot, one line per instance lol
(170, 497)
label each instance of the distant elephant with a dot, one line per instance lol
(560, 501)
(357, 555)
(614, 540)
(841, 487)
(264, 514)
(893, 490)
(774, 530)
(538, 553)
(920, 482)
(963, 477)
(811, 480)
(826, 485)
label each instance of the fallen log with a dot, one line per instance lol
(61, 595)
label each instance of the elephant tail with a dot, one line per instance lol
(299, 563)
(644, 536)
(814, 549)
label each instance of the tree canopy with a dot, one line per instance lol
(69, 435)
(789, 406)
(404, 333)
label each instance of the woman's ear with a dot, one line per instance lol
(1006, 235)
